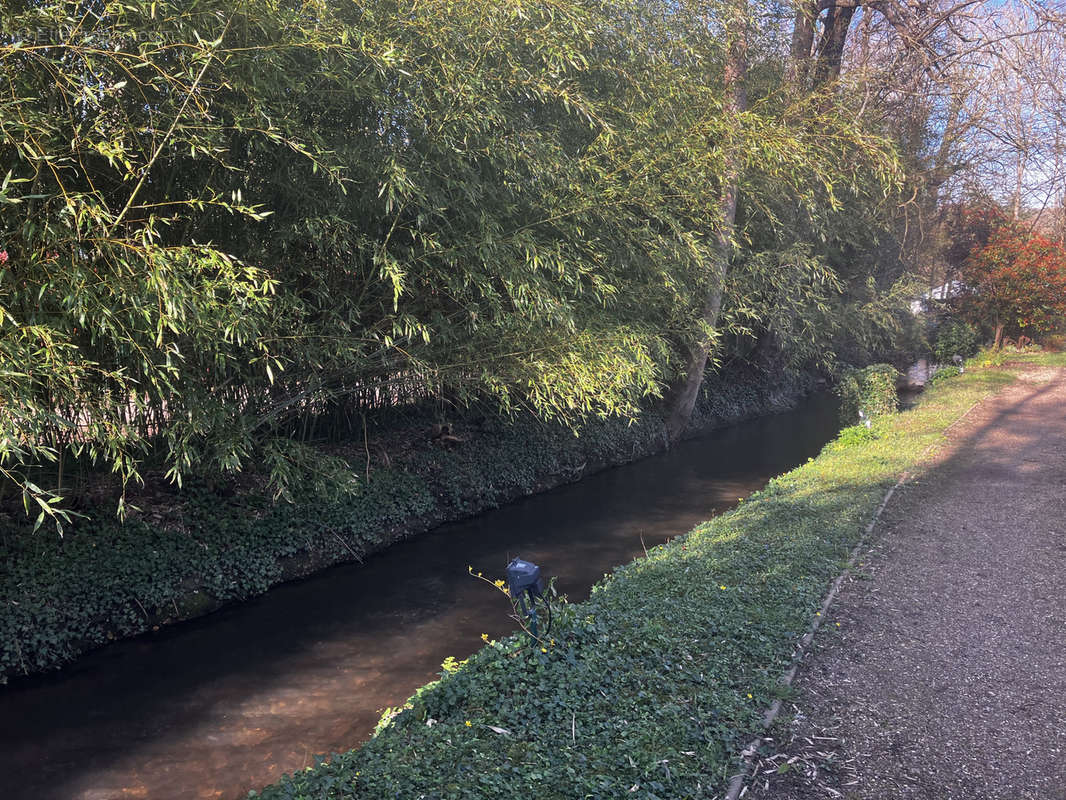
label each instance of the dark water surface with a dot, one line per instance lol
(214, 707)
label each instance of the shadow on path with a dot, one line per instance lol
(948, 677)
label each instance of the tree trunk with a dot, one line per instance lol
(1062, 218)
(1016, 201)
(834, 36)
(802, 42)
(736, 102)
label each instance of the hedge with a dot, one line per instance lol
(869, 392)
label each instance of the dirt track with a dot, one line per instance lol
(946, 677)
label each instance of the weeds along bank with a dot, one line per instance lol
(189, 553)
(652, 687)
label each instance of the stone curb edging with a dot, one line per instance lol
(736, 783)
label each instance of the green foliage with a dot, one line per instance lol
(943, 373)
(657, 682)
(853, 435)
(225, 226)
(988, 357)
(789, 295)
(876, 324)
(871, 390)
(1011, 353)
(955, 337)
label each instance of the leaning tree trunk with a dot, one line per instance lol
(736, 102)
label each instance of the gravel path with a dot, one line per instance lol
(946, 677)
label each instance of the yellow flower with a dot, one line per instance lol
(749, 696)
(544, 649)
(498, 584)
(722, 588)
(469, 723)
(484, 637)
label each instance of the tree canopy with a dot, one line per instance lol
(1016, 282)
(221, 222)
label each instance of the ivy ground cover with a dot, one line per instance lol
(106, 580)
(651, 687)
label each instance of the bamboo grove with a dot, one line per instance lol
(229, 227)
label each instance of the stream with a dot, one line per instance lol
(217, 706)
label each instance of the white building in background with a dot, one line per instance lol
(945, 291)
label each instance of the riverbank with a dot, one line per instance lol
(189, 554)
(657, 681)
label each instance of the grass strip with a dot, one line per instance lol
(652, 687)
